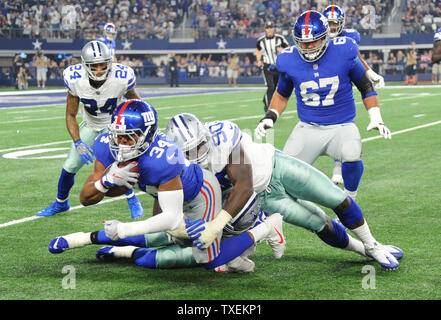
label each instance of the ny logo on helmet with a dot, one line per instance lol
(149, 118)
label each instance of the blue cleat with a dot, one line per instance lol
(54, 208)
(105, 253)
(58, 245)
(135, 207)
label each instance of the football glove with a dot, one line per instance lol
(84, 151)
(111, 229)
(377, 123)
(210, 231)
(120, 176)
(266, 123)
(377, 80)
(180, 232)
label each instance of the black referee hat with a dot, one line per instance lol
(269, 24)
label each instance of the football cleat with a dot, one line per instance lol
(54, 208)
(135, 207)
(105, 253)
(112, 253)
(382, 256)
(395, 251)
(70, 241)
(275, 237)
(337, 178)
(240, 264)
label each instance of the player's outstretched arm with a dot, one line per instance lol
(436, 53)
(376, 79)
(170, 199)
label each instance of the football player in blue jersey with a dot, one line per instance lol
(99, 85)
(322, 72)
(336, 21)
(436, 57)
(181, 190)
(109, 37)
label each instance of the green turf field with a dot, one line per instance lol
(399, 194)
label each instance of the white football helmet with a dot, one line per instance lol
(96, 52)
(191, 136)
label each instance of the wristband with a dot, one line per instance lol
(99, 186)
(272, 114)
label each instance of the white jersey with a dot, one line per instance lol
(226, 138)
(99, 103)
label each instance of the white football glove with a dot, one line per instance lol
(377, 123)
(266, 123)
(180, 232)
(376, 79)
(213, 228)
(111, 229)
(120, 176)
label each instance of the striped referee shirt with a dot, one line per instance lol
(268, 47)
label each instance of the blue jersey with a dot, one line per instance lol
(323, 88)
(111, 44)
(351, 33)
(162, 162)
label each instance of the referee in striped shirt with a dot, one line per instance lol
(267, 48)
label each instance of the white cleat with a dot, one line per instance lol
(337, 179)
(238, 265)
(381, 254)
(275, 237)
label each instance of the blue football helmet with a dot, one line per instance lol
(110, 31)
(311, 26)
(437, 36)
(133, 128)
(335, 15)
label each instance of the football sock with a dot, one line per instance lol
(339, 237)
(364, 234)
(352, 172)
(99, 237)
(352, 215)
(355, 246)
(230, 249)
(65, 183)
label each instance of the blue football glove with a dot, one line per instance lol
(85, 152)
(194, 229)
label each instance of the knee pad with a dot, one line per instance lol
(351, 151)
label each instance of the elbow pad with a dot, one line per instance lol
(366, 87)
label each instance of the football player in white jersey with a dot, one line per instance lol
(286, 185)
(100, 85)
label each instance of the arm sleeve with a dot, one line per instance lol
(285, 86)
(171, 203)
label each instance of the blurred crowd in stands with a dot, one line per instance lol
(159, 19)
(420, 16)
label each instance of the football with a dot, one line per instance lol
(118, 191)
